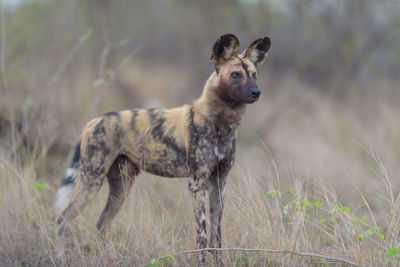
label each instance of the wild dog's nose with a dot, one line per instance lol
(255, 92)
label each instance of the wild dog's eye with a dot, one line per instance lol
(254, 76)
(236, 75)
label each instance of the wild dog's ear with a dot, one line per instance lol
(258, 50)
(224, 48)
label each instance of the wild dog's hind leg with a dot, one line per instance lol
(98, 152)
(120, 178)
(91, 178)
(84, 194)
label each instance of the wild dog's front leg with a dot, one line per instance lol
(201, 159)
(197, 187)
(216, 188)
(216, 196)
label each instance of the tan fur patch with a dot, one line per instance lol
(176, 123)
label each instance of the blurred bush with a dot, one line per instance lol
(67, 61)
(319, 41)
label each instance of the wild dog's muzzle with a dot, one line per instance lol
(255, 92)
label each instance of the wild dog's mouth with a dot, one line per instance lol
(253, 99)
(255, 94)
(249, 100)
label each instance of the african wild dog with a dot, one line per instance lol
(196, 141)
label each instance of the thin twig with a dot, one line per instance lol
(75, 48)
(100, 77)
(101, 83)
(7, 91)
(56, 77)
(281, 251)
(101, 80)
(3, 47)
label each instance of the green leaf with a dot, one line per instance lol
(392, 252)
(159, 263)
(292, 189)
(98, 82)
(381, 236)
(306, 203)
(171, 258)
(318, 204)
(364, 220)
(356, 221)
(340, 210)
(322, 221)
(368, 232)
(299, 209)
(336, 208)
(345, 209)
(39, 186)
(272, 192)
(359, 238)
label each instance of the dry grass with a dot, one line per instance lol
(330, 170)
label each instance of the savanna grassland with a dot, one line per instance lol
(318, 156)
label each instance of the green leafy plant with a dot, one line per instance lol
(392, 252)
(160, 262)
(359, 225)
(39, 186)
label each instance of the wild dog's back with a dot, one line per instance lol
(153, 139)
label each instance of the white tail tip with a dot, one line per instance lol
(63, 198)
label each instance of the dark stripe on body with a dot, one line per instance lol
(193, 141)
(192, 126)
(133, 119)
(157, 120)
(96, 143)
(99, 128)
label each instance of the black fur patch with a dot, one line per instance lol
(77, 155)
(112, 113)
(265, 45)
(99, 129)
(193, 141)
(262, 45)
(133, 119)
(68, 180)
(97, 147)
(245, 67)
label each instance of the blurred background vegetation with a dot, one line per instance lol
(330, 83)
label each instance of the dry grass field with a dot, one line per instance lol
(317, 169)
(313, 174)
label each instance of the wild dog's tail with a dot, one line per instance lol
(64, 193)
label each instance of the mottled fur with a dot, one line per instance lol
(196, 141)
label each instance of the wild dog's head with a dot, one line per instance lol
(236, 73)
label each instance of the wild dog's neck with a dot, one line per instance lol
(223, 114)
